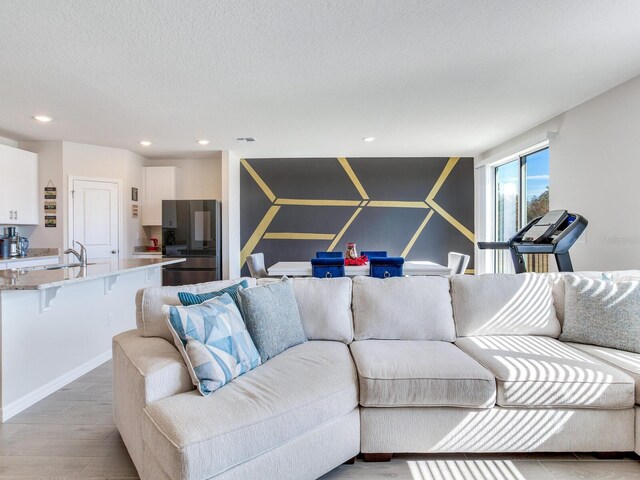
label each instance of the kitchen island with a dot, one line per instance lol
(57, 324)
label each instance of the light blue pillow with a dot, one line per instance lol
(187, 298)
(272, 317)
(213, 341)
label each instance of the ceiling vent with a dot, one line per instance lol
(245, 139)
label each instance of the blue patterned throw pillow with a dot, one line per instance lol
(213, 341)
(187, 298)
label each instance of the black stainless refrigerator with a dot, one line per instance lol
(191, 229)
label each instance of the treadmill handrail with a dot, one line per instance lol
(494, 245)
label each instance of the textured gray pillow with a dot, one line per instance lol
(602, 313)
(272, 317)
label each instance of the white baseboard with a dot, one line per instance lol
(26, 401)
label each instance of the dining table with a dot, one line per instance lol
(411, 267)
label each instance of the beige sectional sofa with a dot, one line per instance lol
(411, 364)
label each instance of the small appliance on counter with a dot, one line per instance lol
(154, 247)
(191, 229)
(12, 245)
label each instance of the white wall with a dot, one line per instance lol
(94, 161)
(49, 169)
(594, 171)
(230, 215)
(201, 177)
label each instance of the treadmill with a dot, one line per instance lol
(553, 234)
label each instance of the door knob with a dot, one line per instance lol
(114, 252)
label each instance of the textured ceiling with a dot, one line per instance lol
(306, 77)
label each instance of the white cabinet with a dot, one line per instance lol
(160, 183)
(18, 187)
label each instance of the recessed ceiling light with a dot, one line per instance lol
(145, 143)
(369, 139)
(245, 139)
(203, 142)
(42, 118)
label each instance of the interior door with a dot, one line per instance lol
(95, 218)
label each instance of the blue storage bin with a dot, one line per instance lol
(386, 267)
(327, 267)
(328, 254)
(374, 253)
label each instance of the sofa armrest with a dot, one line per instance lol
(145, 369)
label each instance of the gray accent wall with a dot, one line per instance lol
(319, 181)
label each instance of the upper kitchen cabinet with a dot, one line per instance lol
(18, 187)
(160, 183)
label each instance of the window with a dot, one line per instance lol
(521, 194)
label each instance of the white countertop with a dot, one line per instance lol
(303, 269)
(33, 253)
(10, 260)
(42, 279)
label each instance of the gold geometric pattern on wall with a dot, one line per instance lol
(429, 204)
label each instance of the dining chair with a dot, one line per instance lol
(386, 267)
(255, 262)
(374, 253)
(457, 262)
(328, 254)
(327, 267)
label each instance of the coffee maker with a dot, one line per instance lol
(10, 242)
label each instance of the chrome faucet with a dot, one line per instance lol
(82, 256)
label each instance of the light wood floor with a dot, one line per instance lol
(71, 434)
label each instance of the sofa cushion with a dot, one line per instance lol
(300, 389)
(543, 372)
(149, 301)
(213, 340)
(325, 308)
(503, 305)
(627, 361)
(402, 308)
(604, 313)
(272, 317)
(402, 373)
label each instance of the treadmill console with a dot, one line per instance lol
(545, 227)
(553, 234)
